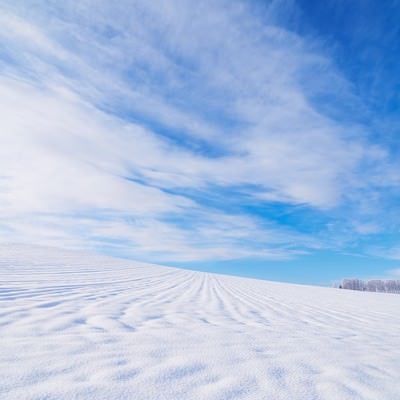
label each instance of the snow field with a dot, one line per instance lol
(75, 326)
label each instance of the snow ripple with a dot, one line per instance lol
(75, 326)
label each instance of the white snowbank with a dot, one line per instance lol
(74, 326)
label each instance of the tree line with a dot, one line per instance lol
(374, 285)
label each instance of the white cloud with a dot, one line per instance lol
(367, 228)
(394, 273)
(61, 155)
(392, 253)
(91, 87)
(65, 166)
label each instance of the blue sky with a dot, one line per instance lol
(253, 138)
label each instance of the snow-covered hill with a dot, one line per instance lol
(74, 326)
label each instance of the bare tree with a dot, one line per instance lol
(374, 285)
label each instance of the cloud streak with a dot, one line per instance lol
(143, 127)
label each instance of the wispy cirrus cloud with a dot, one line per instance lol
(139, 126)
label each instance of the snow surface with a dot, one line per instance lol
(74, 326)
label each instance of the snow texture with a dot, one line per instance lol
(74, 326)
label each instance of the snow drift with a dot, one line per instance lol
(74, 326)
